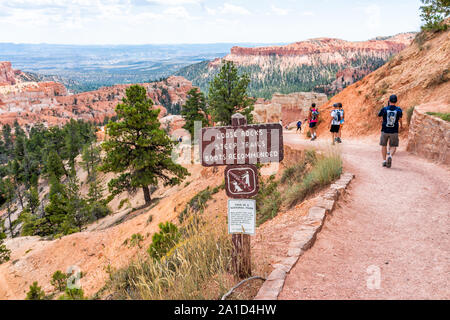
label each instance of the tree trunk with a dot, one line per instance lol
(10, 223)
(20, 197)
(147, 197)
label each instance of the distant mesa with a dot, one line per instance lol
(323, 65)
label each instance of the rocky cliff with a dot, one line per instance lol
(7, 76)
(287, 107)
(50, 103)
(417, 75)
(323, 65)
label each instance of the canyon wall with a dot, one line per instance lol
(287, 107)
(50, 103)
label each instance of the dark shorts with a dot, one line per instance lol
(335, 128)
(312, 124)
(392, 137)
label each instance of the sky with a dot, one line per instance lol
(202, 21)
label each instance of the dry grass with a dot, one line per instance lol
(324, 171)
(196, 268)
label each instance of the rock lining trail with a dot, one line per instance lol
(393, 220)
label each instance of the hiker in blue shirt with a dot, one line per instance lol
(299, 126)
(392, 116)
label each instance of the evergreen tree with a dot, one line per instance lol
(433, 14)
(137, 148)
(35, 293)
(7, 139)
(194, 110)
(8, 191)
(4, 251)
(73, 141)
(56, 210)
(33, 200)
(91, 160)
(228, 95)
(55, 166)
(59, 280)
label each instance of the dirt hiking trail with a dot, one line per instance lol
(395, 221)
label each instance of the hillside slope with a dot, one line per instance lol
(322, 65)
(417, 75)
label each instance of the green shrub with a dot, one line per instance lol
(268, 201)
(443, 116)
(198, 202)
(73, 294)
(164, 240)
(35, 293)
(136, 240)
(326, 170)
(59, 280)
(5, 253)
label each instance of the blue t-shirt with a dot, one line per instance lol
(391, 115)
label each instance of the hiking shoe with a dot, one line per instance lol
(389, 162)
(384, 163)
(339, 140)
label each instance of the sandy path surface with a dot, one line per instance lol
(394, 223)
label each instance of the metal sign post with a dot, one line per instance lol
(240, 147)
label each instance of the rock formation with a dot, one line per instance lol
(287, 107)
(51, 104)
(7, 76)
(312, 65)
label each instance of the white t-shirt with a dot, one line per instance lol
(335, 117)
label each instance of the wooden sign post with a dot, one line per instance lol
(241, 261)
(240, 147)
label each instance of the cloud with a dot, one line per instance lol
(210, 11)
(177, 12)
(308, 14)
(233, 9)
(279, 11)
(373, 13)
(173, 2)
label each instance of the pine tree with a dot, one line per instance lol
(7, 190)
(137, 148)
(54, 165)
(4, 251)
(433, 14)
(35, 293)
(33, 200)
(73, 141)
(91, 160)
(59, 280)
(194, 110)
(228, 95)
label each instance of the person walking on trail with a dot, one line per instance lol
(392, 116)
(299, 126)
(335, 123)
(341, 110)
(313, 118)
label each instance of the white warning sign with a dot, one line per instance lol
(241, 216)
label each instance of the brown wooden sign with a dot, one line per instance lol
(241, 181)
(243, 144)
